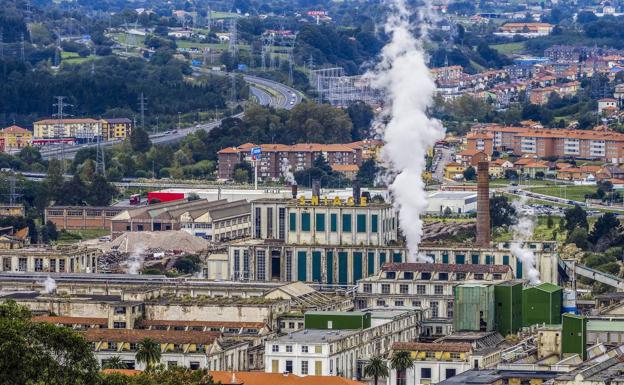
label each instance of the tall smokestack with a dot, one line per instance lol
(356, 192)
(316, 188)
(483, 200)
(294, 191)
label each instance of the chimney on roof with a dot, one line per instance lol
(483, 200)
(294, 191)
(356, 192)
(316, 188)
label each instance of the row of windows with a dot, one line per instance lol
(347, 222)
(304, 349)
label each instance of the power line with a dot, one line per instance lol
(142, 107)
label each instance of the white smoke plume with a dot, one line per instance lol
(287, 172)
(403, 77)
(134, 263)
(49, 285)
(522, 231)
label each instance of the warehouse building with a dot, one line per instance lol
(63, 259)
(454, 202)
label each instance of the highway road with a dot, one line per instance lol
(266, 92)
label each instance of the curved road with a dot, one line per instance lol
(266, 92)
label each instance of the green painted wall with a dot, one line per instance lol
(473, 309)
(541, 304)
(508, 304)
(337, 320)
(574, 331)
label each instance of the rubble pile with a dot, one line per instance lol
(439, 230)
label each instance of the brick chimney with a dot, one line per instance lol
(484, 236)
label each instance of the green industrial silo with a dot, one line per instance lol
(473, 309)
(541, 304)
(574, 339)
(508, 304)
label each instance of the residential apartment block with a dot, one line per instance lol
(116, 128)
(80, 129)
(276, 159)
(16, 137)
(339, 352)
(607, 146)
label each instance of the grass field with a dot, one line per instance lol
(541, 232)
(73, 236)
(576, 193)
(509, 48)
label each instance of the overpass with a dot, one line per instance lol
(265, 92)
(593, 274)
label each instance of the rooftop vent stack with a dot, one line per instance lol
(316, 188)
(483, 201)
(294, 191)
(356, 192)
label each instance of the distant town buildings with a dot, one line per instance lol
(525, 29)
(82, 129)
(15, 137)
(276, 159)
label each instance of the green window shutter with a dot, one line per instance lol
(293, 221)
(519, 269)
(488, 259)
(505, 259)
(334, 222)
(346, 223)
(475, 259)
(302, 264)
(320, 222)
(444, 258)
(382, 259)
(357, 266)
(330, 267)
(397, 257)
(361, 223)
(374, 223)
(371, 263)
(343, 274)
(460, 259)
(316, 266)
(305, 221)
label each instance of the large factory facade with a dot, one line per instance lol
(333, 241)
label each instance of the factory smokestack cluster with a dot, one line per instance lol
(483, 200)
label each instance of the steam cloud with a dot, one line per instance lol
(523, 231)
(287, 172)
(49, 285)
(403, 77)
(134, 263)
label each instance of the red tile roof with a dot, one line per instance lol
(160, 336)
(15, 130)
(263, 378)
(125, 372)
(71, 320)
(226, 324)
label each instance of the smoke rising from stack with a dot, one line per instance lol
(49, 285)
(403, 77)
(134, 263)
(287, 172)
(523, 231)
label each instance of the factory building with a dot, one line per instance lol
(425, 286)
(67, 259)
(325, 221)
(454, 202)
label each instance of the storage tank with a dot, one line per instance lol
(569, 301)
(473, 308)
(541, 304)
